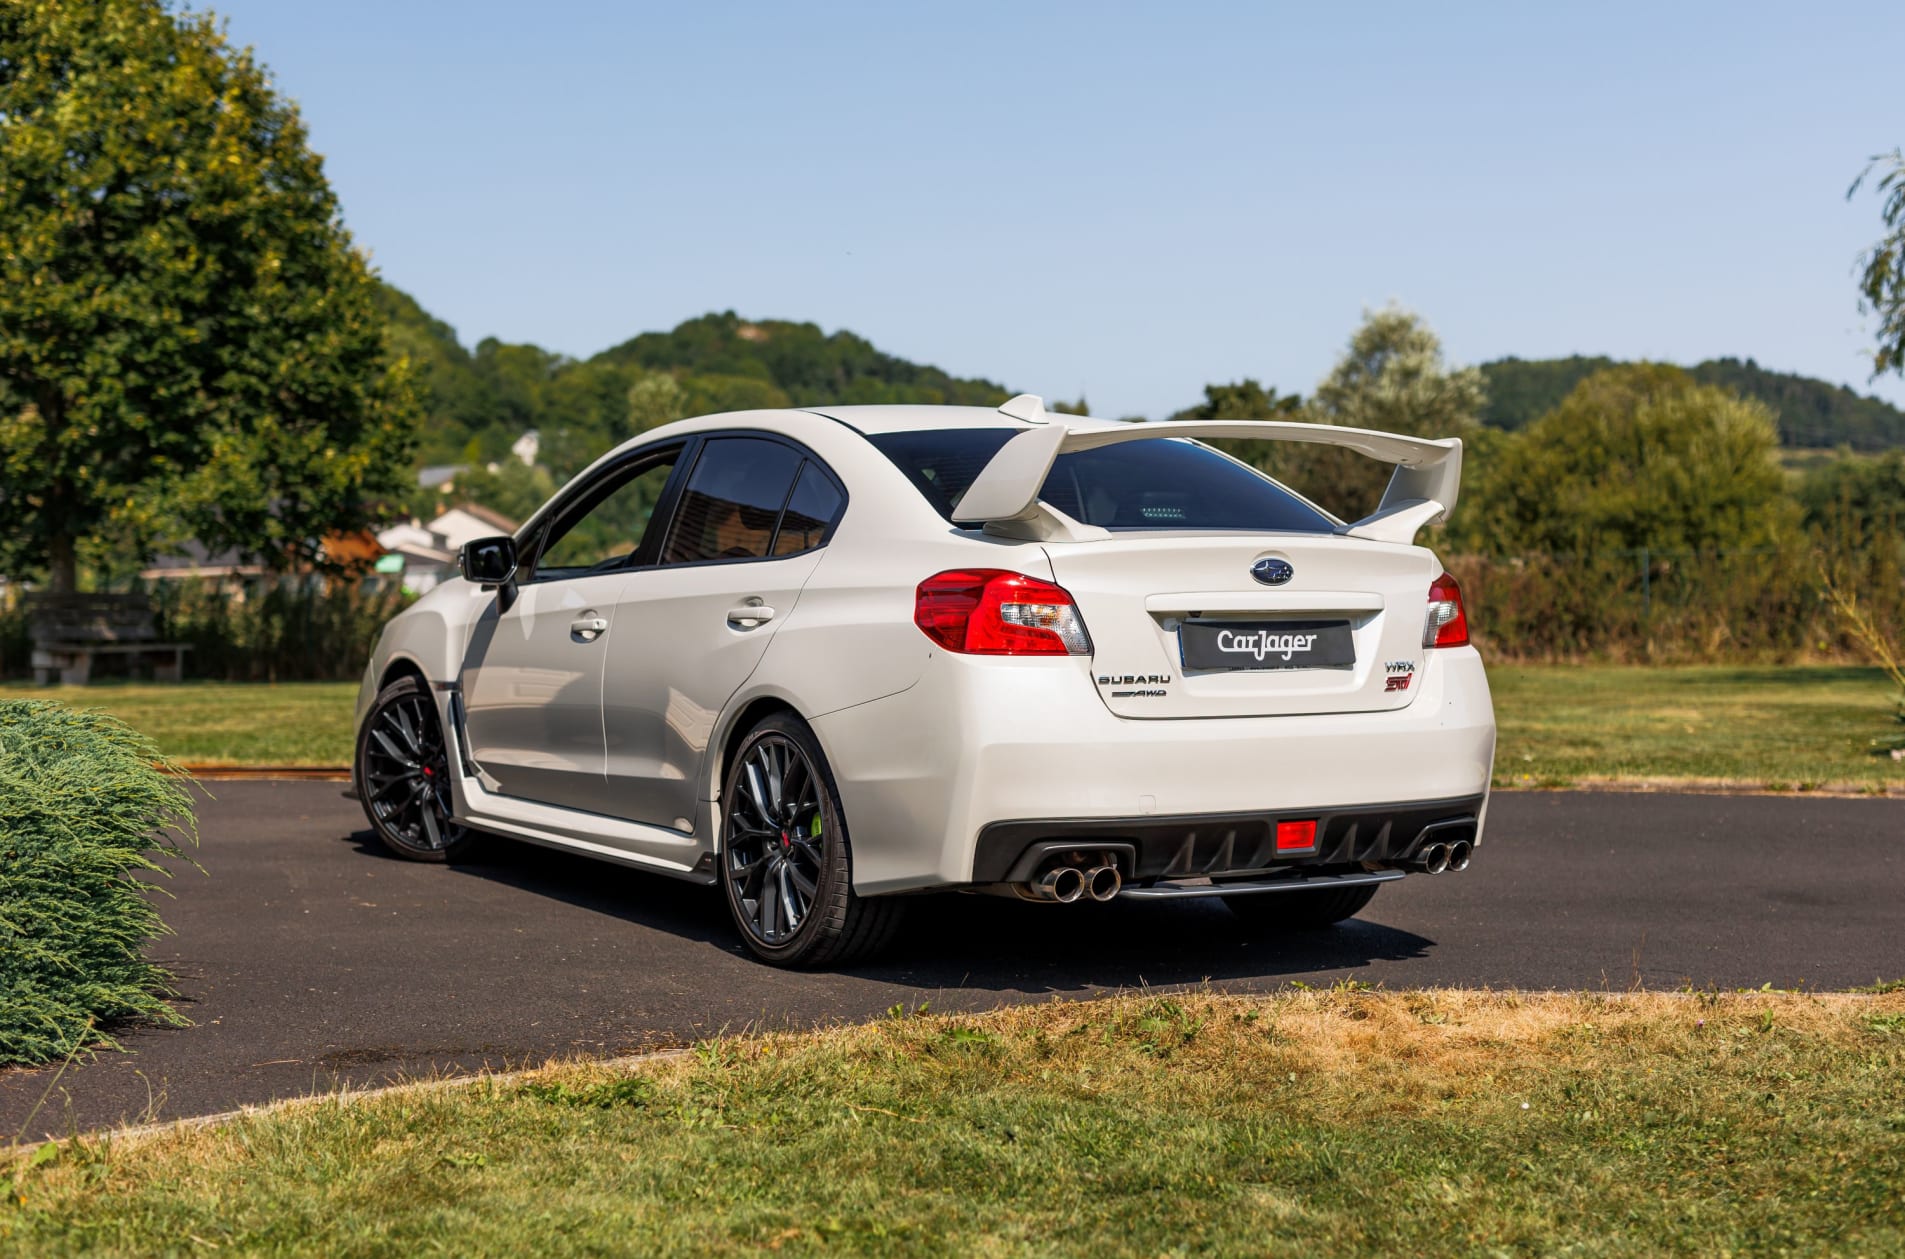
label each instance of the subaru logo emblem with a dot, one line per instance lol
(1271, 571)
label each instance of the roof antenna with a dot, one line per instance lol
(1028, 407)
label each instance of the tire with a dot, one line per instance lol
(402, 776)
(784, 846)
(1301, 911)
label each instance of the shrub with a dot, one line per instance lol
(276, 629)
(85, 804)
(1676, 607)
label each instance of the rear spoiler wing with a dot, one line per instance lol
(1422, 489)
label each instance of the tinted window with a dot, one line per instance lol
(811, 510)
(1154, 483)
(605, 535)
(732, 501)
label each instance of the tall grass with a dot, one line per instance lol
(86, 805)
(1749, 607)
(271, 629)
(277, 630)
(1883, 642)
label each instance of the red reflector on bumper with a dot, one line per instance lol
(1294, 836)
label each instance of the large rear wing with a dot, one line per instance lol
(1422, 489)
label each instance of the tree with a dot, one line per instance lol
(1392, 378)
(1860, 495)
(1243, 400)
(189, 343)
(1247, 399)
(654, 400)
(1882, 280)
(1636, 456)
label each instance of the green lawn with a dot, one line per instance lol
(225, 723)
(1786, 728)
(1308, 1123)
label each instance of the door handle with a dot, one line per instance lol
(588, 628)
(750, 614)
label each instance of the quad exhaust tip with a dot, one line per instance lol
(1067, 884)
(1441, 857)
(1063, 884)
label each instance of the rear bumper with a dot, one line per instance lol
(1219, 845)
(1009, 748)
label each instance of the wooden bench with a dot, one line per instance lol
(70, 631)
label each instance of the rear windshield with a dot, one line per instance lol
(1154, 483)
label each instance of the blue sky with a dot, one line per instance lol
(1125, 201)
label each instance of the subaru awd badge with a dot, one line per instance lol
(1272, 571)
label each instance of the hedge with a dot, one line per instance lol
(85, 804)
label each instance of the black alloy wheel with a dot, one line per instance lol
(785, 862)
(403, 776)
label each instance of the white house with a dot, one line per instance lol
(428, 549)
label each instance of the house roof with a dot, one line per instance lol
(489, 516)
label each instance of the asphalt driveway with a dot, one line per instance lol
(310, 960)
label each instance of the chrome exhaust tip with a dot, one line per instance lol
(1459, 854)
(1102, 882)
(1435, 859)
(1064, 884)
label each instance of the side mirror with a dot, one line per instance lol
(489, 562)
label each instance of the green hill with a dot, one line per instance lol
(1812, 414)
(480, 401)
(807, 365)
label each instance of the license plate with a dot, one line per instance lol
(1266, 645)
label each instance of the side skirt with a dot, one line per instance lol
(617, 840)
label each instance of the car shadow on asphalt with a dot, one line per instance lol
(977, 942)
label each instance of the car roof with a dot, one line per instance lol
(873, 420)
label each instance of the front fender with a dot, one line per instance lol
(430, 636)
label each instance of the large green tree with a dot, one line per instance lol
(190, 346)
(1635, 456)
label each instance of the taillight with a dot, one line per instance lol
(988, 612)
(1447, 625)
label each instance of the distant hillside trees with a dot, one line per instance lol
(190, 346)
(481, 401)
(1807, 412)
(805, 364)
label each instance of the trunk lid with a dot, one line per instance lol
(1143, 596)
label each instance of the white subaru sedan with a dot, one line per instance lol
(829, 659)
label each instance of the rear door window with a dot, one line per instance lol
(732, 501)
